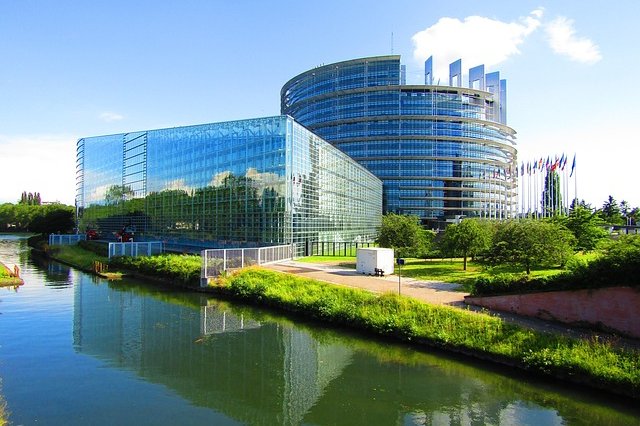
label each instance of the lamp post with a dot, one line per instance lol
(400, 262)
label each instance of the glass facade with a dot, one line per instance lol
(441, 151)
(244, 183)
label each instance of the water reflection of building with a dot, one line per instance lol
(266, 372)
(255, 373)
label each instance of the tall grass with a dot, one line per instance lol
(182, 269)
(600, 364)
(77, 256)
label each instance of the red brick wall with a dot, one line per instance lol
(614, 308)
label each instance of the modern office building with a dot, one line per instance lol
(442, 151)
(256, 182)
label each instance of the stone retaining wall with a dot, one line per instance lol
(612, 309)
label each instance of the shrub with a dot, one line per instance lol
(618, 265)
(181, 268)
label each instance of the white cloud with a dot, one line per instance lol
(109, 117)
(476, 40)
(563, 40)
(38, 163)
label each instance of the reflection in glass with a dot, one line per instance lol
(245, 183)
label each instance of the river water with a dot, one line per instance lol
(75, 349)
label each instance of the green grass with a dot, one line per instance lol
(76, 256)
(445, 270)
(6, 280)
(598, 363)
(181, 269)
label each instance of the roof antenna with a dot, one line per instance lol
(392, 42)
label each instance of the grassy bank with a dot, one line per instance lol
(596, 363)
(6, 279)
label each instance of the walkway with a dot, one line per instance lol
(436, 292)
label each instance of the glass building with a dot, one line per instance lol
(246, 183)
(442, 151)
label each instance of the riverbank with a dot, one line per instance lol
(9, 277)
(598, 364)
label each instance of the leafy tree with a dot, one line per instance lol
(468, 238)
(580, 203)
(586, 227)
(36, 218)
(552, 194)
(404, 234)
(532, 243)
(610, 212)
(54, 218)
(634, 215)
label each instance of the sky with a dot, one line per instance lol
(71, 69)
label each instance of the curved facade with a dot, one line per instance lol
(442, 152)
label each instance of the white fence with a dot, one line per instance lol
(216, 261)
(65, 239)
(134, 249)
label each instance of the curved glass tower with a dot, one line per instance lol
(442, 152)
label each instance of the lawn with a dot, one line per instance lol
(446, 270)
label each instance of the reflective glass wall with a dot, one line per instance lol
(441, 151)
(242, 183)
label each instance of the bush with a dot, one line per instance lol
(181, 268)
(619, 265)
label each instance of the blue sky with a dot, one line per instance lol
(74, 69)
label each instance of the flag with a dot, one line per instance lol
(535, 166)
(522, 169)
(529, 168)
(573, 165)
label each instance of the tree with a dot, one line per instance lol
(404, 234)
(551, 195)
(610, 212)
(54, 218)
(468, 238)
(532, 243)
(634, 215)
(586, 227)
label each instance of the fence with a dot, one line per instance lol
(348, 248)
(65, 239)
(216, 261)
(133, 249)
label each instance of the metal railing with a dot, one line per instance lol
(65, 239)
(135, 248)
(216, 261)
(335, 248)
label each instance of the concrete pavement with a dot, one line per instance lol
(435, 292)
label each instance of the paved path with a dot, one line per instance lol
(429, 291)
(435, 292)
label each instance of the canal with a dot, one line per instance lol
(75, 349)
